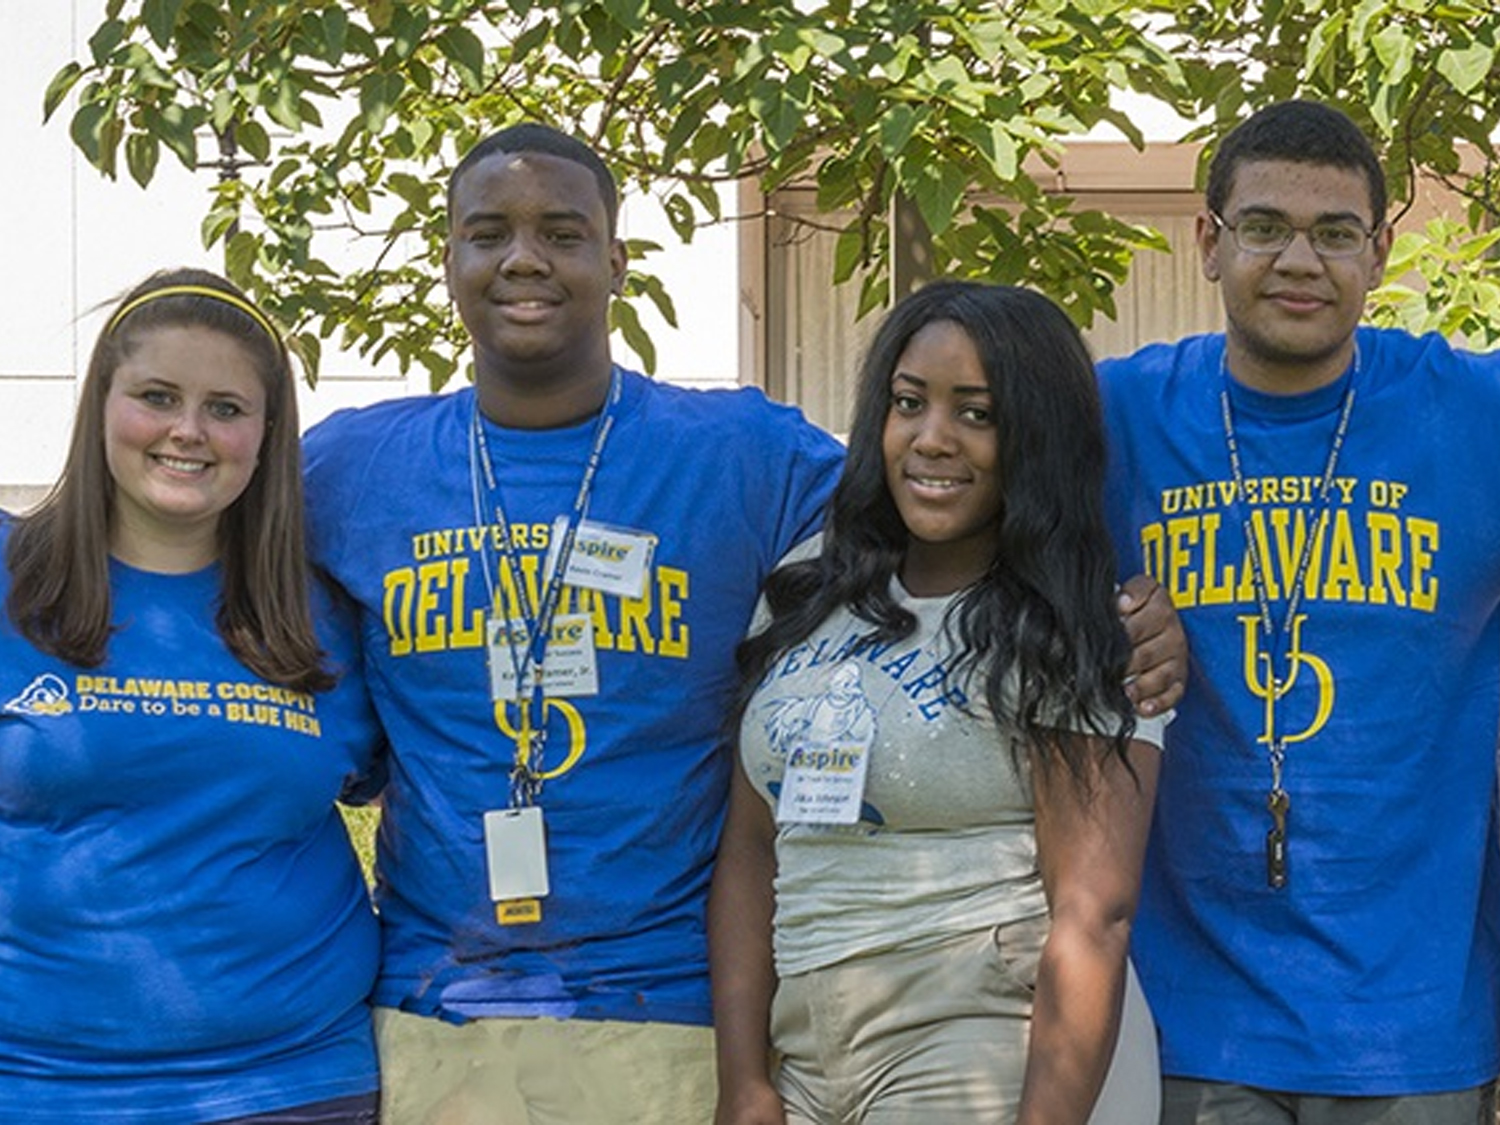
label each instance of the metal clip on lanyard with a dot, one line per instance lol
(1274, 639)
(528, 660)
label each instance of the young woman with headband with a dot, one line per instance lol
(185, 934)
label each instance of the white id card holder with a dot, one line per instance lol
(611, 560)
(824, 783)
(515, 848)
(571, 666)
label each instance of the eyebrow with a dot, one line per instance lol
(562, 215)
(920, 382)
(1278, 213)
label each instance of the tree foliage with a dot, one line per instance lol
(334, 124)
(1422, 77)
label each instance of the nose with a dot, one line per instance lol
(1299, 256)
(934, 436)
(188, 426)
(524, 255)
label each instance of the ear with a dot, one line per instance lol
(619, 259)
(1206, 233)
(448, 266)
(1382, 241)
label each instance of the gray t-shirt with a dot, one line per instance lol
(945, 842)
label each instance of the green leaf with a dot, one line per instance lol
(408, 24)
(848, 253)
(627, 322)
(529, 41)
(874, 293)
(109, 35)
(1396, 49)
(681, 215)
(176, 127)
(377, 98)
(252, 137)
(896, 127)
(58, 89)
(222, 111)
(141, 153)
(88, 132)
(936, 186)
(240, 254)
(416, 191)
(1004, 155)
(160, 18)
(1466, 68)
(656, 292)
(217, 224)
(285, 108)
(463, 48)
(307, 348)
(335, 32)
(1325, 39)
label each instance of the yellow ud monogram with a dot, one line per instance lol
(520, 733)
(1261, 679)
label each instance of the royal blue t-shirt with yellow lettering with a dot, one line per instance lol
(1373, 971)
(185, 934)
(635, 776)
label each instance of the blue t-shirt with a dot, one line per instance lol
(185, 934)
(726, 482)
(1370, 972)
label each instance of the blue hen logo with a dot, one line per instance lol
(45, 695)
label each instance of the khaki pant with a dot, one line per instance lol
(938, 1036)
(543, 1072)
(1189, 1102)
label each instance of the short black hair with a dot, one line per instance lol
(531, 136)
(1301, 132)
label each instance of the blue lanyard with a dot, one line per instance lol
(1274, 639)
(530, 658)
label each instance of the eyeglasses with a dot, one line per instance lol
(1329, 238)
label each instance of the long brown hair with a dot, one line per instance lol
(58, 554)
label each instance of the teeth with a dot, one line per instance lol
(181, 466)
(936, 482)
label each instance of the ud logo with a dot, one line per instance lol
(1263, 683)
(518, 730)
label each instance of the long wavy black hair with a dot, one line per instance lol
(1039, 629)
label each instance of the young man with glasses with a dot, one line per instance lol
(1319, 499)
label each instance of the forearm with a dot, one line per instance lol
(1080, 991)
(740, 915)
(1090, 842)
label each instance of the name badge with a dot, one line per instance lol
(609, 559)
(570, 669)
(515, 849)
(824, 783)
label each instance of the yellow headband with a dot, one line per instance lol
(195, 291)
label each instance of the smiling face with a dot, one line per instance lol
(531, 265)
(184, 421)
(1291, 316)
(941, 453)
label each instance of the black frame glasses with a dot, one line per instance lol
(1268, 234)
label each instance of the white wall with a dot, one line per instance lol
(72, 241)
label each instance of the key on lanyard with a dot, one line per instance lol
(1278, 803)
